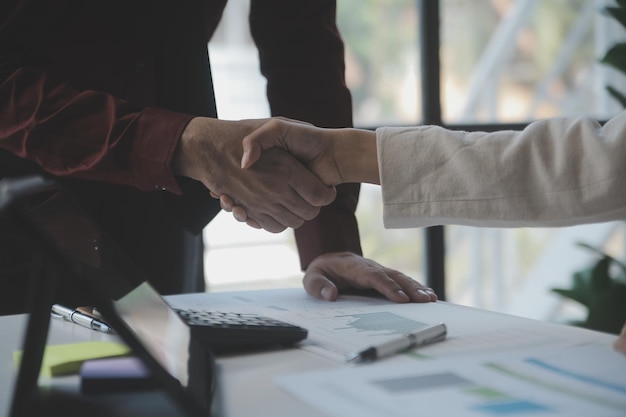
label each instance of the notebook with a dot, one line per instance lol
(72, 247)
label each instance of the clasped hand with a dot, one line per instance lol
(314, 147)
(277, 192)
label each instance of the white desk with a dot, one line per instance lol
(247, 381)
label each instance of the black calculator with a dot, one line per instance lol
(233, 332)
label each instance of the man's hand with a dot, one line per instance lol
(278, 192)
(330, 273)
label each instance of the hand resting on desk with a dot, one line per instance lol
(332, 272)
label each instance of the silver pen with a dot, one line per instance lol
(81, 319)
(421, 337)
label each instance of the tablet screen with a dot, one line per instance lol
(163, 333)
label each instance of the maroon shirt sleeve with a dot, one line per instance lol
(88, 134)
(302, 58)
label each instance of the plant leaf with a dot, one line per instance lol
(580, 290)
(599, 252)
(618, 13)
(572, 295)
(582, 279)
(607, 310)
(617, 95)
(600, 278)
(589, 247)
(616, 57)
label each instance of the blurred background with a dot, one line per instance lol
(502, 61)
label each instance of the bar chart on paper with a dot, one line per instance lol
(345, 333)
(382, 321)
(548, 382)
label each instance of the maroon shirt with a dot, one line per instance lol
(98, 93)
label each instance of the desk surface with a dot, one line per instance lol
(247, 381)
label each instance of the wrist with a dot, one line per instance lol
(196, 148)
(180, 161)
(356, 156)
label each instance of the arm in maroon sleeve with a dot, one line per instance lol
(87, 134)
(302, 57)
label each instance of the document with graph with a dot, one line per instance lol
(545, 382)
(335, 329)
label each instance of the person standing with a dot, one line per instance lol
(116, 100)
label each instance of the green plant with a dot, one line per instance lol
(602, 289)
(615, 57)
(602, 286)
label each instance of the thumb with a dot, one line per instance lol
(319, 286)
(265, 137)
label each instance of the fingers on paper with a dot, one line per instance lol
(332, 272)
(321, 287)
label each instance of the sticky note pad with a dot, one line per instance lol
(67, 358)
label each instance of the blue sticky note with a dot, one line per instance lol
(115, 375)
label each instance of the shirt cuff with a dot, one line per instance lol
(158, 134)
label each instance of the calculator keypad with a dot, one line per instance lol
(228, 319)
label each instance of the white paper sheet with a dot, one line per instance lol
(354, 323)
(581, 381)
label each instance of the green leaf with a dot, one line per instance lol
(616, 57)
(582, 280)
(572, 295)
(618, 13)
(580, 290)
(607, 310)
(617, 95)
(601, 253)
(590, 248)
(600, 278)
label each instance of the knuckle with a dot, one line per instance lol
(311, 213)
(297, 223)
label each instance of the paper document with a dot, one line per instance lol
(356, 322)
(576, 381)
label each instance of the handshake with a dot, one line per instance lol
(274, 173)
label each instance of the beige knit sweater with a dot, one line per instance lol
(556, 172)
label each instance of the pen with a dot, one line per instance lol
(421, 337)
(81, 319)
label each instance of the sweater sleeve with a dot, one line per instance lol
(302, 58)
(88, 134)
(556, 172)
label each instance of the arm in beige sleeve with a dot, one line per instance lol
(555, 172)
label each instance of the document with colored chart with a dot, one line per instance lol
(541, 383)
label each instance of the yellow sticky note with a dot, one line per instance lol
(67, 358)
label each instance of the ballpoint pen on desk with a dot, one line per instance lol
(421, 337)
(80, 318)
